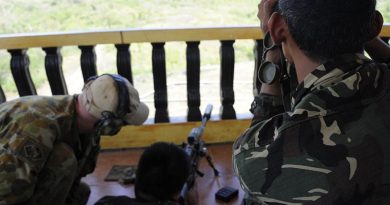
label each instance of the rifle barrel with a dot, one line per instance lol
(194, 149)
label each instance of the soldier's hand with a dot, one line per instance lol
(265, 9)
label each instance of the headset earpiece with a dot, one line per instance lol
(109, 124)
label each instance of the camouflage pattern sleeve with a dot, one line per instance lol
(22, 158)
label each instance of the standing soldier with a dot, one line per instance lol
(330, 144)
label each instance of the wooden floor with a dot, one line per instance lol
(207, 185)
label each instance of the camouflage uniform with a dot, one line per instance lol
(333, 147)
(40, 152)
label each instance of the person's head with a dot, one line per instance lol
(109, 101)
(323, 29)
(162, 171)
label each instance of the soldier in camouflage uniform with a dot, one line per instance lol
(47, 144)
(332, 146)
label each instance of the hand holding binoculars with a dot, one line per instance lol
(269, 72)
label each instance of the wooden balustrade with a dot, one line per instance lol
(52, 43)
(193, 78)
(55, 76)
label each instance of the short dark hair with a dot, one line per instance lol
(327, 28)
(162, 171)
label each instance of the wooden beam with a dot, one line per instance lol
(59, 39)
(142, 136)
(126, 36)
(192, 34)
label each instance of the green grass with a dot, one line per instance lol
(69, 15)
(384, 7)
(21, 16)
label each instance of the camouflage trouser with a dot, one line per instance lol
(56, 183)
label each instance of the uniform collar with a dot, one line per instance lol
(72, 136)
(327, 74)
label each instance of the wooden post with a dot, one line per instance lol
(386, 39)
(53, 66)
(160, 83)
(258, 52)
(21, 72)
(123, 61)
(226, 80)
(193, 81)
(2, 96)
(88, 62)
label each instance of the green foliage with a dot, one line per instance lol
(384, 7)
(20, 16)
(69, 15)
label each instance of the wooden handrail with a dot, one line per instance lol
(19, 41)
(192, 34)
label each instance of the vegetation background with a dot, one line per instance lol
(20, 16)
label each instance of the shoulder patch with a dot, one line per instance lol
(33, 152)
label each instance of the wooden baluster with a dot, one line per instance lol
(386, 39)
(2, 96)
(193, 78)
(88, 61)
(123, 61)
(54, 72)
(226, 80)
(21, 72)
(258, 52)
(160, 83)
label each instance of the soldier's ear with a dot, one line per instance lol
(277, 27)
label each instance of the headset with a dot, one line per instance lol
(111, 122)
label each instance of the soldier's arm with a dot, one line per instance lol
(268, 102)
(17, 184)
(21, 161)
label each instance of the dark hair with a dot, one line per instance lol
(326, 28)
(162, 171)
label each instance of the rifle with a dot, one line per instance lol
(195, 149)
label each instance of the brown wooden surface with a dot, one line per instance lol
(207, 185)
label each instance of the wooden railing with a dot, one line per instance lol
(51, 43)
